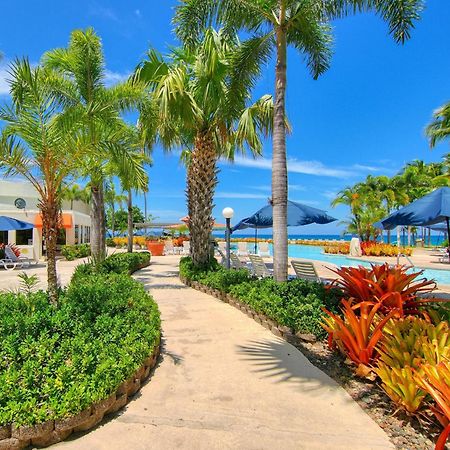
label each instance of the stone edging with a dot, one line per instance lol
(281, 331)
(53, 431)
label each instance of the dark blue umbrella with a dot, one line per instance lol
(8, 223)
(429, 210)
(297, 215)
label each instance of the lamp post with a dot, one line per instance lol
(228, 213)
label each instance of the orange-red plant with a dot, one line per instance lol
(392, 287)
(357, 335)
(436, 381)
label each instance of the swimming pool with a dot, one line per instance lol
(316, 253)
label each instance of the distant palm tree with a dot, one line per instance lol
(201, 101)
(92, 112)
(34, 146)
(73, 192)
(439, 129)
(275, 25)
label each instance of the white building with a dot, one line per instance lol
(19, 199)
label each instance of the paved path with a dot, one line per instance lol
(225, 382)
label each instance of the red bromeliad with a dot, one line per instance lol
(392, 287)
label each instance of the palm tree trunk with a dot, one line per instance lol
(201, 184)
(98, 230)
(50, 227)
(279, 163)
(130, 222)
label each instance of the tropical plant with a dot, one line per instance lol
(357, 334)
(200, 99)
(35, 145)
(274, 25)
(73, 192)
(439, 129)
(92, 113)
(408, 343)
(391, 287)
(436, 381)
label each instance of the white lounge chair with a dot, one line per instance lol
(9, 254)
(242, 249)
(186, 248)
(259, 267)
(263, 249)
(8, 264)
(236, 263)
(169, 248)
(307, 271)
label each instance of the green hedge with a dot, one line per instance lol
(71, 252)
(116, 263)
(296, 303)
(55, 362)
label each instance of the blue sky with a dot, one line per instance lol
(366, 115)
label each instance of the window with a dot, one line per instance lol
(77, 234)
(3, 237)
(24, 237)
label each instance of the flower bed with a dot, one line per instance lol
(62, 369)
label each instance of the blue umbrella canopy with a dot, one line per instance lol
(429, 210)
(297, 214)
(8, 223)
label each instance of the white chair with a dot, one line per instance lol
(263, 249)
(186, 248)
(169, 248)
(8, 264)
(9, 254)
(259, 267)
(242, 249)
(223, 246)
(236, 263)
(307, 271)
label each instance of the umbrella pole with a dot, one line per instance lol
(447, 220)
(256, 240)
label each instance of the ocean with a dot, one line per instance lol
(436, 239)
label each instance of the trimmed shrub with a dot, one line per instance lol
(71, 252)
(116, 263)
(296, 303)
(56, 362)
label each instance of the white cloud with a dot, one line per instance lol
(331, 195)
(364, 167)
(167, 214)
(104, 13)
(4, 75)
(112, 78)
(297, 187)
(296, 166)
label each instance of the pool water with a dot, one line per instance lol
(316, 253)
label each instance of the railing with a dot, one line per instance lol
(402, 255)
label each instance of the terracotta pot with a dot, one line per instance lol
(155, 248)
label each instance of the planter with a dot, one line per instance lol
(155, 248)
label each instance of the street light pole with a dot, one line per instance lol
(228, 213)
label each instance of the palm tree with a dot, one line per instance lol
(201, 101)
(34, 146)
(73, 192)
(352, 197)
(275, 25)
(92, 112)
(439, 129)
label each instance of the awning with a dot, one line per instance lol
(66, 219)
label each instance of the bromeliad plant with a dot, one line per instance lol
(408, 344)
(435, 380)
(358, 333)
(392, 287)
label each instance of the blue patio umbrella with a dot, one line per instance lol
(429, 210)
(297, 215)
(9, 223)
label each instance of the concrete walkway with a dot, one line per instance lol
(225, 382)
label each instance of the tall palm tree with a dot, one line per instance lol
(73, 192)
(275, 25)
(92, 112)
(34, 146)
(201, 99)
